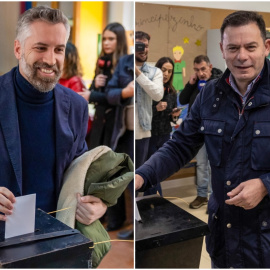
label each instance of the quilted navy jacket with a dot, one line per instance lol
(238, 150)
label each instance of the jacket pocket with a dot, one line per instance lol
(260, 146)
(213, 131)
(264, 219)
(212, 238)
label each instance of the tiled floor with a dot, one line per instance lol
(185, 191)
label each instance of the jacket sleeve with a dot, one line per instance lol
(266, 181)
(175, 153)
(153, 88)
(186, 93)
(114, 88)
(98, 97)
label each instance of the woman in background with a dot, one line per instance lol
(72, 73)
(114, 45)
(164, 112)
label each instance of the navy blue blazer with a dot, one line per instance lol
(71, 118)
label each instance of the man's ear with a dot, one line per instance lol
(267, 47)
(221, 48)
(17, 49)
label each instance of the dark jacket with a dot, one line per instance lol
(238, 150)
(161, 120)
(190, 92)
(102, 126)
(123, 75)
(71, 116)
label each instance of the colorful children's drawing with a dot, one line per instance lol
(179, 68)
(179, 73)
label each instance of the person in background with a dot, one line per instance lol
(231, 116)
(164, 112)
(149, 87)
(72, 70)
(203, 72)
(114, 45)
(43, 124)
(120, 94)
(72, 73)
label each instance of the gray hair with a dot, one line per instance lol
(40, 13)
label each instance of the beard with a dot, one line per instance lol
(42, 84)
(139, 60)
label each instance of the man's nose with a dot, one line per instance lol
(49, 57)
(242, 55)
(200, 73)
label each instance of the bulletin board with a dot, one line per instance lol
(171, 26)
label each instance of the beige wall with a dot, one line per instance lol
(9, 12)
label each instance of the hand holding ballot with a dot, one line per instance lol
(6, 202)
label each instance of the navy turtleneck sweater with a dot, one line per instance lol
(37, 132)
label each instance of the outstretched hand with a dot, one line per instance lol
(248, 194)
(89, 209)
(138, 181)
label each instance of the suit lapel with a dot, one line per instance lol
(64, 135)
(10, 124)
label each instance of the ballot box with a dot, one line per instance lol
(52, 245)
(167, 236)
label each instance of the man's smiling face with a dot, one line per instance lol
(42, 54)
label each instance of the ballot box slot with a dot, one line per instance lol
(27, 238)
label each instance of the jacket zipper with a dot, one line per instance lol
(241, 112)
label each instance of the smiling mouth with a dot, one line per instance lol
(243, 68)
(46, 71)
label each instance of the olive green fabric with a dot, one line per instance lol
(106, 178)
(99, 172)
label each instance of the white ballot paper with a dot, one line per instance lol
(137, 213)
(22, 220)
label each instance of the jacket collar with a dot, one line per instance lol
(145, 68)
(260, 91)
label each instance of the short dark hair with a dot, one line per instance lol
(141, 35)
(160, 63)
(240, 18)
(200, 58)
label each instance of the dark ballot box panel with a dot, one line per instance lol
(168, 236)
(52, 245)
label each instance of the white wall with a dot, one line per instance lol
(122, 12)
(233, 5)
(9, 13)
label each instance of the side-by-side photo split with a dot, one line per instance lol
(66, 134)
(134, 134)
